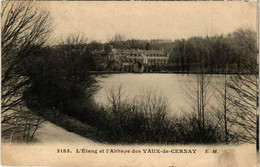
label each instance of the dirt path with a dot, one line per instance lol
(50, 133)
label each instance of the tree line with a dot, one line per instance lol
(234, 53)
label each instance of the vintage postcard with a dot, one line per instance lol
(165, 84)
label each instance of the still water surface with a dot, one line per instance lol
(171, 86)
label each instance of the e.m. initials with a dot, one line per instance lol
(211, 151)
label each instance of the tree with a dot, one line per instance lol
(118, 41)
(198, 93)
(24, 28)
(66, 85)
(179, 52)
(147, 46)
(245, 106)
(222, 111)
(243, 43)
(238, 97)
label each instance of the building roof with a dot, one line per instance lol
(133, 51)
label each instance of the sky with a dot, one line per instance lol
(101, 20)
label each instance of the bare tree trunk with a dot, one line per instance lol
(257, 115)
(25, 127)
(14, 129)
(225, 108)
(197, 91)
(36, 127)
(257, 133)
(202, 103)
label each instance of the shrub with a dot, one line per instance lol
(146, 119)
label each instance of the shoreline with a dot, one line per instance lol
(164, 72)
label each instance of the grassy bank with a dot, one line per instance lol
(142, 119)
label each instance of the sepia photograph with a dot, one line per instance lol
(133, 84)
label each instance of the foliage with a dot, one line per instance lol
(236, 50)
(146, 119)
(61, 80)
(231, 53)
(25, 29)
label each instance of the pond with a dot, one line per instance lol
(175, 87)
